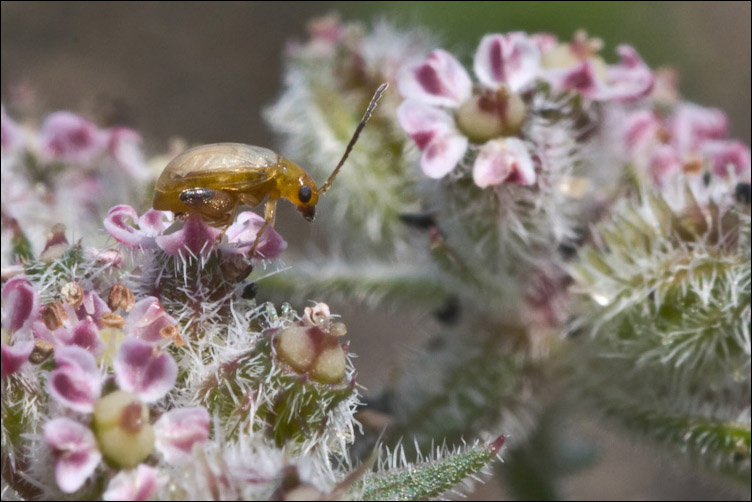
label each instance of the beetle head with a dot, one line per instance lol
(295, 185)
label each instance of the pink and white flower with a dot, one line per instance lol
(20, 305)
(67, 137)
(195, 237)
(503, 161)
(20, 311)
(142, 232)
(446, 118)
(76, 382)
(144, 369)
(141, 483)
(13, 357)
(178, 430)
(148, 320)
(75, 451)
(242, 234)
(576, 66)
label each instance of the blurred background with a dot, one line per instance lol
(204, 72)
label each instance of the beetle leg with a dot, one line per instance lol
(212, 204)
(270, 214)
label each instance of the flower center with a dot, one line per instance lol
(121, 425)
(491, 114)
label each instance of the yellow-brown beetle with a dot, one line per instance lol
(214, 180)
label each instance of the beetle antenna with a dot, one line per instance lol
(371, 106)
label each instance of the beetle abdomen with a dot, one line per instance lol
(220, 166)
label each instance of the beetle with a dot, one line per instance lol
(214, 180)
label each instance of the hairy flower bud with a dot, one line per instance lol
(314, 351)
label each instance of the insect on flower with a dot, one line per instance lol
(214, 180)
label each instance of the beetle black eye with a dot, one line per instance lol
(304, 194)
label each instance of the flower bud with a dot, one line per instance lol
(296, 348)
(314, 351)
(329, 366)
(124, 434)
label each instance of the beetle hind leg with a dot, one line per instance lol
(218, 207)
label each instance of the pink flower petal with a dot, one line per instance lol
(728, 157)
(125, 233)
(147, 320)
(631, 78)
(581, 78)
(12, 136)
(691, 125)
(12, 357)
(143, 369)
(513, 59)
(75, 451)
(68, 137)
(141, 483)
(641, 130)
(20, 304)
(664, 163)
(86, 335)
(195, 238)
(178, 430)
(125, 148)
(154, 222)
(503, 161)
(76, 382)
(92, 306)
(440, 80)
(242, 234)
(58, 337)
(443, 154)
(108, 257)
(423, 122)
(545, 41)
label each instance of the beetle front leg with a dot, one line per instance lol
(270, 213)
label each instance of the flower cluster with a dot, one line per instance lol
(67, 171)
(676, 142)
(446, 115)
(71, 139)
(116, 426)
(87, 335)
(155, 230)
